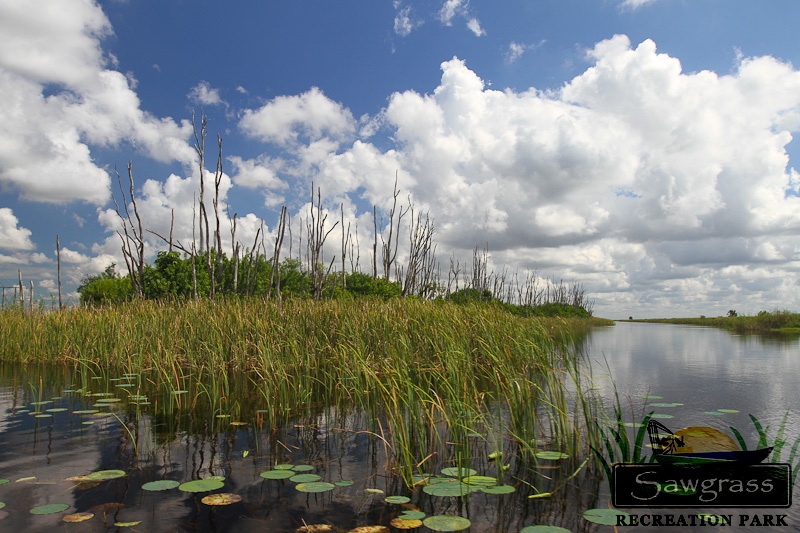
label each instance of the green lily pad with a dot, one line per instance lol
(397, 499)
(485, 481)
(604, 516)
(43, 402)
(448, 489)
(86, 412)
(102, 475)
(412, 515)
(498, 489)
(665, 404)
(127, 524)
(651, 397)
(544, 529)
(305, 478)
(302, 468)
(445, 522)
(456, 471)
(283, 467)
(164, 484)
(2, 504)
(51, 508)
(4, 481)
(728, 410)
(716, 413)
(550, 455)
(344, 483)
(201, 485)
(177, 392)
(315, 486)
(277, 474)
(57, 410)
(662, 415)
(215, 478)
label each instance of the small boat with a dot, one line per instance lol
(666, 450)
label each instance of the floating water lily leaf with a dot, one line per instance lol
(57, 410)
(81, 479)
(448, 489)
(412, 515)
(51, 508)
(86, 412)
(77, 517)
(343, 483)
(305, 478)
(223, 498)
(315, 528)
(651, 397)
(88, 422)
(397, 499)
(315, 486)
(238, 423)
(44, 402)
(604, 516)
(373, 491)
(4, 481)
(215, 478)
(456, 471)
(108, 400)
(484, 481)
(105, 474)
(498, 489)
(553, 456)
(201, 485)
(283, 467)
(127, 524)
(302, 468)
(277, 474)
(22, 479)
(102, 394)
(544, 529)
(370, 529)
(223, 416)
(717, 413)
(727, 410)
(444, 522)
(43, 415)
(405, 523)
(2, 504)
(163, 484)
(665, 404)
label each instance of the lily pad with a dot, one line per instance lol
(448, 489)
(86, 412)
(405, 523)
(283, 467)
(4, 481)
(127, 524)
(305, 478)
(716, 413)
(77, 517)
(302, 468)
(544, 529)
(57, 410)
(51, 508)
(315, 486)
(728, 410)
(665, 404)
(223, 498)
(456, 471)
(444, 522)
(498, 489)
(163, 484)
(277, 474)
(604, 516)
(484, 481)
(651, 397)
(412, 515)
(397, 499)
(101, 475)
(201, 485)
(552, 456)
(343, 483)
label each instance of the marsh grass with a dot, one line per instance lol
(764, 322)
(440, 383)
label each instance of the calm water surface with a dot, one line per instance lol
(47, 436)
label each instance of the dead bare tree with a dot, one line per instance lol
(275, 276)
(58, 258)
(345, 242)
(132, 235)
(390, 244)
(316, 239)
(421, 255)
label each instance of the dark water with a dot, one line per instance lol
(174, 437)
(705, 369)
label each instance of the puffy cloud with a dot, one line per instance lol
(204, 94)
(474, 26)
(285, 119)
(403, 24)
(53, 47)
(450, 9)
(13, 237)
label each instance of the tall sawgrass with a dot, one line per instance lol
(433, 378)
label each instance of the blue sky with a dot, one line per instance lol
(642, 148)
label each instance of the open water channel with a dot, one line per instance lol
(72, 443)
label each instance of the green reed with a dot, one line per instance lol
(430, 376)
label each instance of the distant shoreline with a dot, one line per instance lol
(763, 322)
